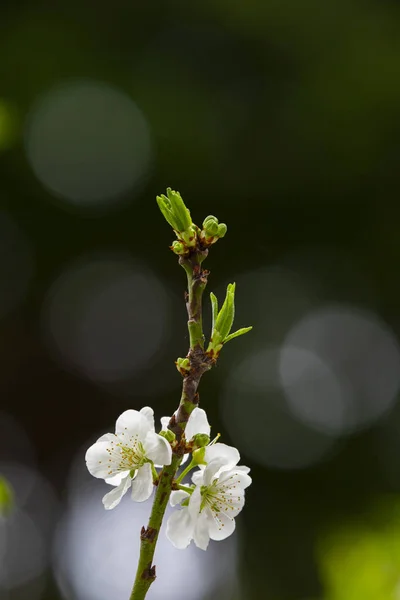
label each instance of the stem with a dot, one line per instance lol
(185, 471)
(185, 488)
(199, 364)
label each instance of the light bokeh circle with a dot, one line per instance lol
(340, 368)
(105, 317)
(255, 414)
(88, 143)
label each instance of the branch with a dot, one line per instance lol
(199, 364)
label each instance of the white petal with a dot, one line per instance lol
(242, 468)
(113, 498)
(198, 477)
(148, 412)
(229, 454)
(157, 449)
(195, 503)
(220, 526)
(184, 459)
(240, 479)
(164, 423)
(201, 534)
(177, 497)
(100, 463)
(107, 437)
(116, 479)
(180, 529)
(133, 423)
(197, 423)
(213, 470)
(142, 485)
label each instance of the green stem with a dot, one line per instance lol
(185, 471)
(185, 488)
(146, 573)
(199, 363)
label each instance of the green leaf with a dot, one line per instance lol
(237, 333)
(226, 315)
(214, 310)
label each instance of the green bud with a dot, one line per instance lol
(200, 440)
(198, 456)
(178, 248)
(6, 497)
(222, 229)
(211, 227)
(183, 365)
(168, 435)
(207, 219)
(174, 210)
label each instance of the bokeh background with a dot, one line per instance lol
(283, 119)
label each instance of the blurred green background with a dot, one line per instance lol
(282, 118)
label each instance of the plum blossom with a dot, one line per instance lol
(124, 459)
(197, 423)
(210, 507)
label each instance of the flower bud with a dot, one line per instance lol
(183, 365)
(198, 456)
(178, 248)
(211, 227)
(6, 497)
(222, 229)
(200, 440)
(168, 435)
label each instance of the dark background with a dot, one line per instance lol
(282, 118)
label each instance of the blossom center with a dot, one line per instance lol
(126, 453)
(217, 497)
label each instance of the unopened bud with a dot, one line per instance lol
(178, 248)
(168, 435)
(200, 440)
(198, 456)
(183, 365)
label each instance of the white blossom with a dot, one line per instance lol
(209, 511)
(197, 423)
(124, 459)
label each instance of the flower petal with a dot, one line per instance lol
(195, 503)
(242, 468)
(148, 412)
(142, 485)
(116, 479)
(201, 533)
(229, 454)
(213, 470)
(240, 480)
(164, 423)
(107, 437)
(99, 462)
(180, 529)
(198, 477)
(133, 423)
(157, 449)
(177, 497)
(113, 498)
(220, 526)
(197, 423)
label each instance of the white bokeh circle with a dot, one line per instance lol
(340, 369)
(105, 318)
(88, 143)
